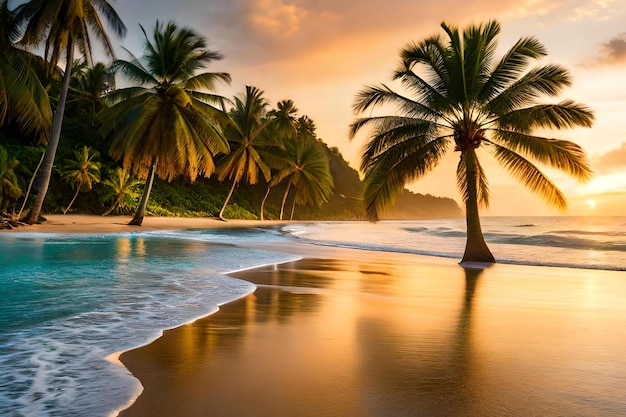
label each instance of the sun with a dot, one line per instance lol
(591, 203)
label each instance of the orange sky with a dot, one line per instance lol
(320, 53)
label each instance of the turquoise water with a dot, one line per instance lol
(68, 301)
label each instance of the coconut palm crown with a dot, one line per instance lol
(465, 100)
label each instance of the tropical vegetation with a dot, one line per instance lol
(458, 96)
(254, 135)
(64, 25)
(10, 191)
(168, 130)
(23, 99)
(122, 191)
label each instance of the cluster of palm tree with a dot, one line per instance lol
(169, 124)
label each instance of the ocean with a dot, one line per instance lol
(69, 301)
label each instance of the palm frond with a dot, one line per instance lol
(548, 80)
(563, 115)
(387, 173)
(479, 45)
(377, 96)
(124, 94)
(207, 81)
(134, 71)
(211, 100)
(393, 131)
(425, 93)
(113, 19)
(511, 67)
(561, 154)
(530, 176)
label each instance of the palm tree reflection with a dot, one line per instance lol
(421, 370)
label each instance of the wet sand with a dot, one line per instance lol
(356, 333)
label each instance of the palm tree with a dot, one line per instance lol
(88, 87)
(285, 129)
(167, 126)
(22, 96)
(81, 172)
(122, 190)
(250, 136)
(307, 169)
(10, 191)
(65, 25)
(466, 101)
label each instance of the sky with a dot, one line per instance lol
(320, 53)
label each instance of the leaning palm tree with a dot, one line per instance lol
(122, 190)
(82, 172)
(167, 126)
(466, 101)
(65, 25)
(250, 136)
(22, 96)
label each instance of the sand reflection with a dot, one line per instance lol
(390, 336)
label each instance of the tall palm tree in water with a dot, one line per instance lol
(466, 101)
(167, 126)
(65, 25)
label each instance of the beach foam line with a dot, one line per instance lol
(115, 357)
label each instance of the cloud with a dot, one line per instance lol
(285, 29)
(612, 161)
(611, 53)
(278, 18)
(594, 9)
(615, 49)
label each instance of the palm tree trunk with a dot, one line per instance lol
(141, 210)
(293, 207)
(110, 209)
(73, 199)
(53, 141)
(30, 185)
(230, 194)
(282, 206)
(476, 249)
(267, 193)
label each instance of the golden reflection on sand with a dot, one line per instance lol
(389, 335)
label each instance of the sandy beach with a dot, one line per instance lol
(79, 223)
(347, 332)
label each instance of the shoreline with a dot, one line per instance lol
(350, 332)
(87, 223)
(331, 275)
